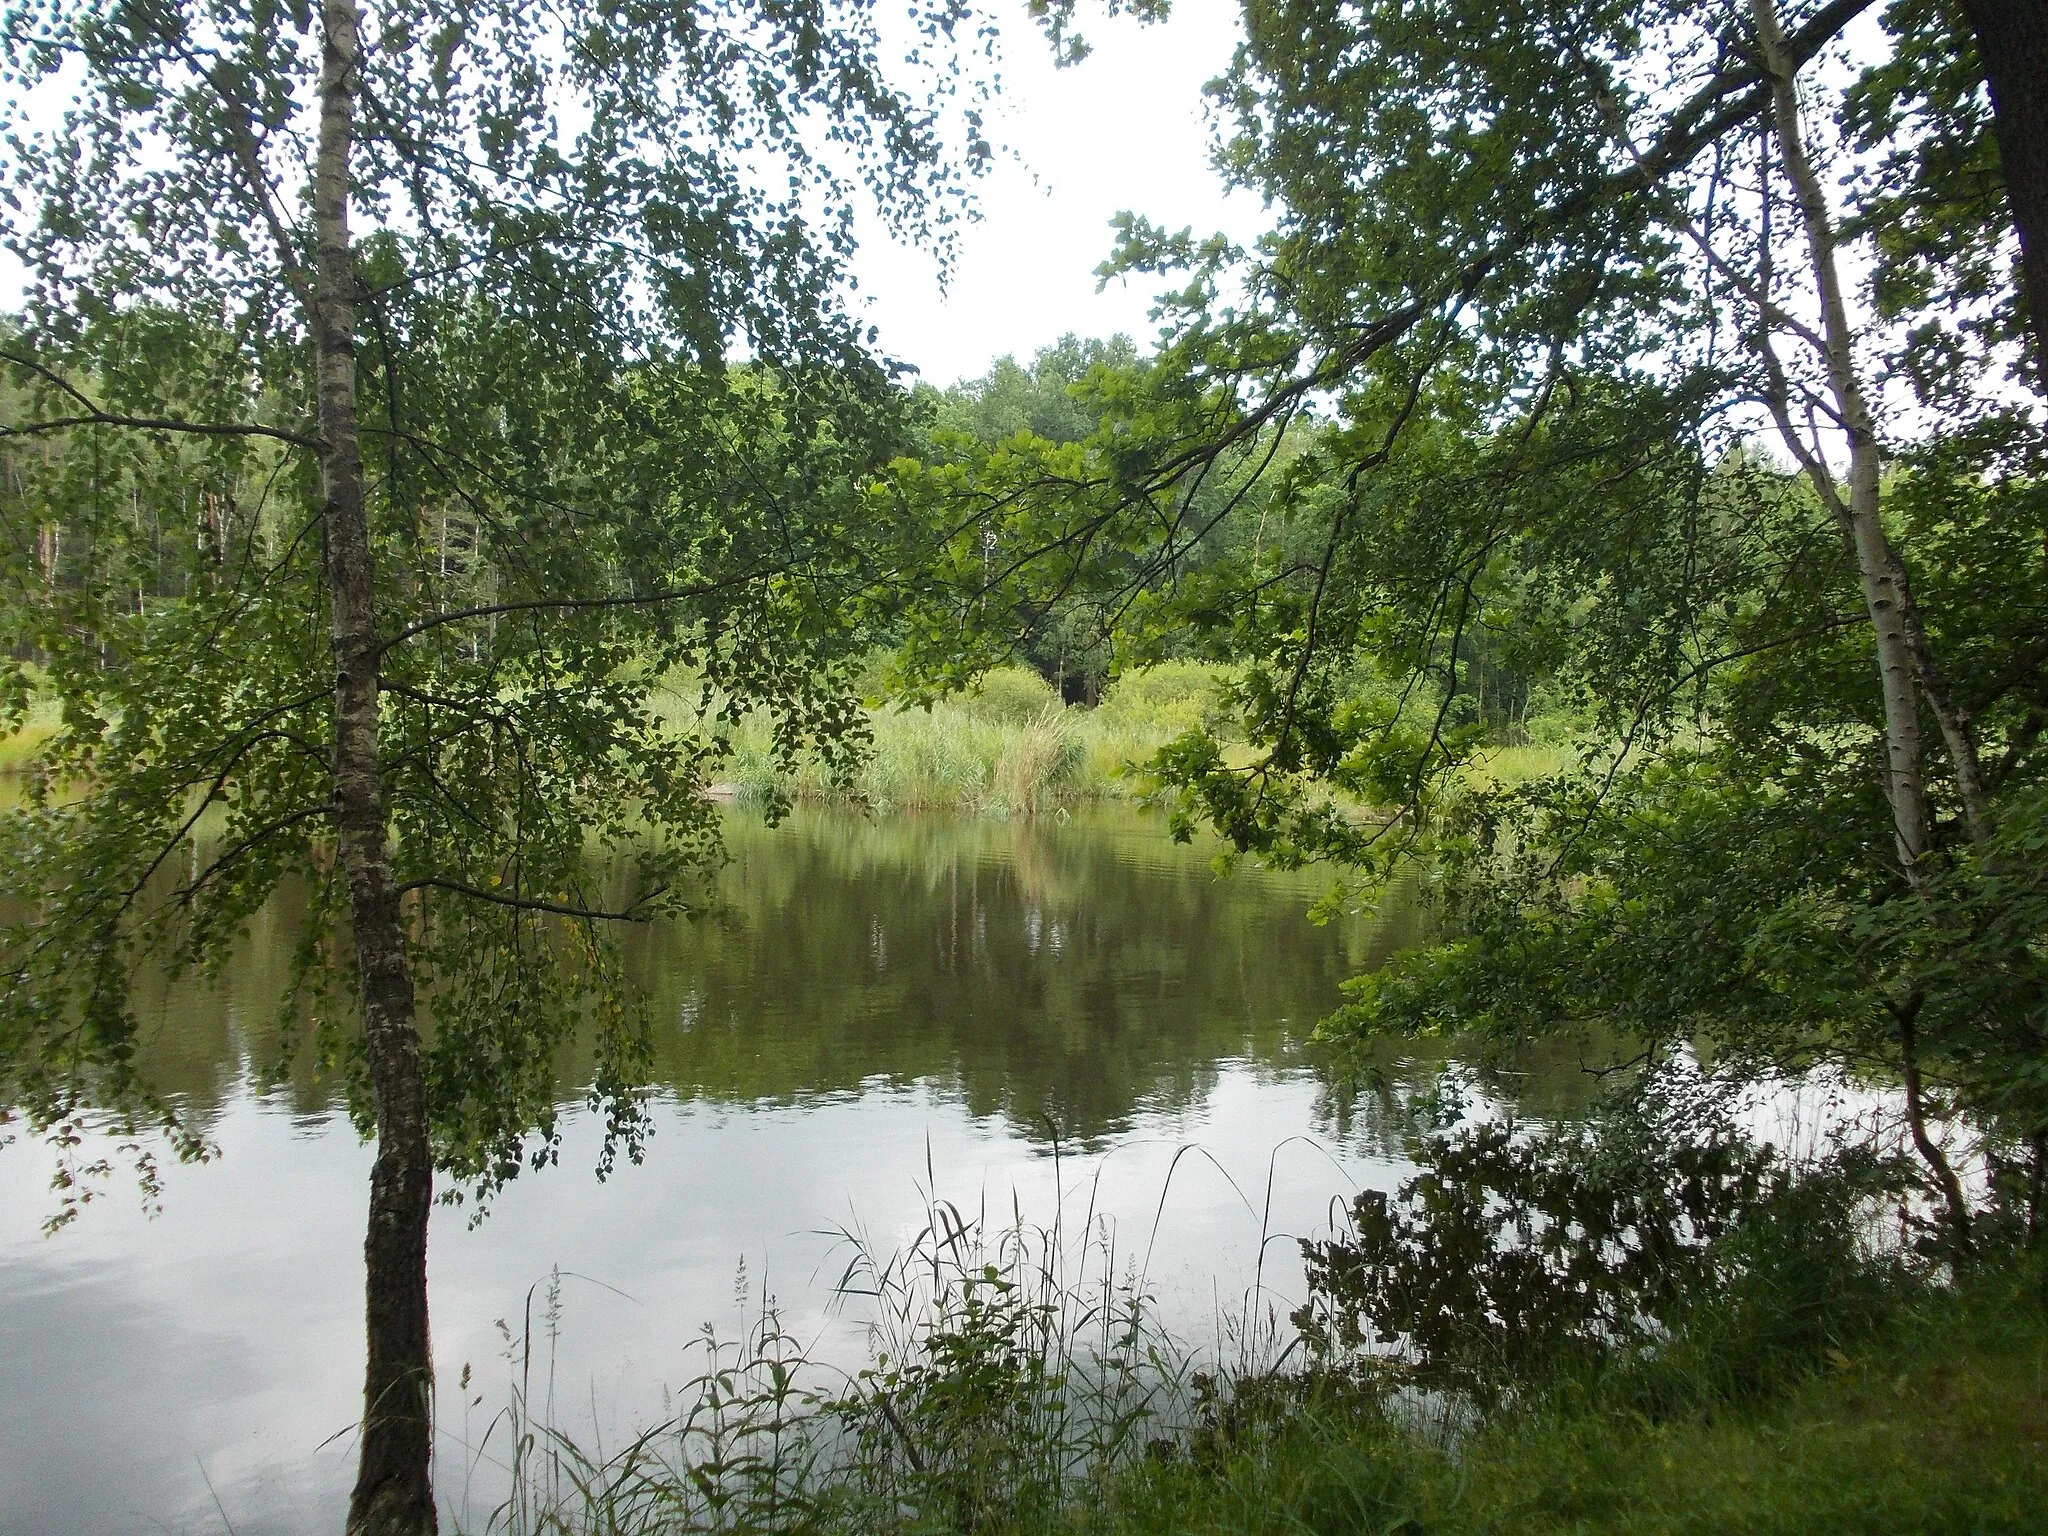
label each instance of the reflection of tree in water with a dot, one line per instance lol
(199, 1038)
(1369, 1106)
(1054, 974)
(1065, 975)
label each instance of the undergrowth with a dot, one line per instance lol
(1753, 1355)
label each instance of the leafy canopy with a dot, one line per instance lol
(615, 413)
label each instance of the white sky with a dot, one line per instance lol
(1125, 129)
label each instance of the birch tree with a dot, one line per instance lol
(316, 282)
(1546, 289)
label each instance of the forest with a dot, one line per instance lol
(450, 492)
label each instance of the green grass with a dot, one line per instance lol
(1937, 1423)
(1017, 1394)
(1506, 767)
(18, 748)
(1008, 748)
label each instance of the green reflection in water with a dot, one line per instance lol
(1057, 971)
(1063, 974)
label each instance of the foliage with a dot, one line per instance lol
(1042, 400)
(1010, 1367)
(1931, 202)
(574, 277)
(1474, 428)
(564, 241)
(1517, 1253)
(1047, 402)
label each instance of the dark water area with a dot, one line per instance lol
(878, 1012)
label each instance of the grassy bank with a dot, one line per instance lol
(1797, 1371)
(1008, 748)
(1935, 1422)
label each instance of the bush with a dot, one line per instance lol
(1166, 699)
(1010, 696)
(1657, 1237)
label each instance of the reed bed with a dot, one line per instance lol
(1010, 748)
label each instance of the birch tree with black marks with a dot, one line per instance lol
(487, 374)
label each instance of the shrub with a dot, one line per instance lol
(1166, 699)
(1657, 1235)
(1010, 696)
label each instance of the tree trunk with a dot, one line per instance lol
(394, 1493)
(2037, 1189)
(2012, 43)
(1877, 567)
(1916, 1124)
(1958, 731)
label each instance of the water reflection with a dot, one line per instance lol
(873, 1004)
(1060, 974)
(1056, 975)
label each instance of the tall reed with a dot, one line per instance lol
(1009, 1365)
(1010, 748)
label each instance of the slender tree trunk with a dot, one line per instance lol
(1916, 1124)
(1905, 667)
(1877, 567)
(1958, 732)
(2037, 1189)
(2012, 43)
(394, 1492)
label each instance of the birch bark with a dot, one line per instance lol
(394, 1491)
(1881, 574)
(1878, 569)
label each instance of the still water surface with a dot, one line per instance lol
(886, 1006)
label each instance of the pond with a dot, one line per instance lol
(1035, 1016)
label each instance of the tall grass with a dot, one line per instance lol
(1008, 748)
(1003, 1413)
(1011, 748)
(1018, 1382)
(1505, 767)
(1010, 1366)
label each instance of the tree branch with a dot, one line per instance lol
(630, 913)
(576, 604)
(97, 417)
